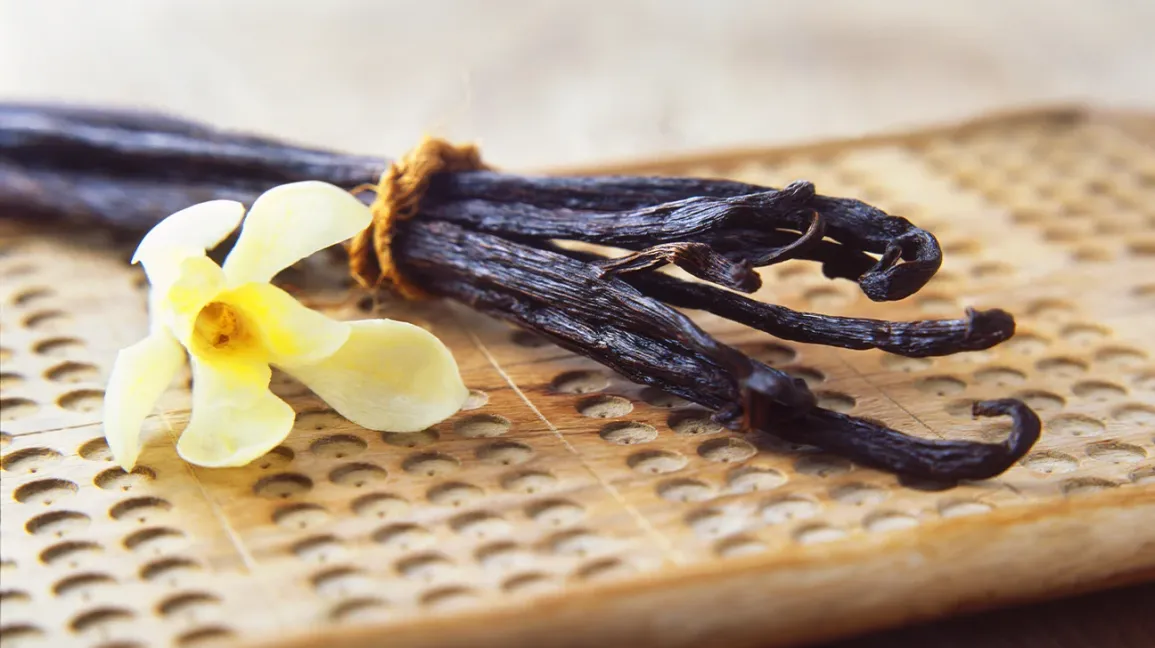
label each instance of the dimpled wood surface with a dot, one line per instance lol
(565, 505)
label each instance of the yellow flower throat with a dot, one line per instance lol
(221, 327)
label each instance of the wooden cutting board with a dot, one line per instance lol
(567, 506)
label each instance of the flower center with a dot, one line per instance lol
(220, 327)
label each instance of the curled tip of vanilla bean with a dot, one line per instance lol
(877, 446)
(445, 226)
(1025, 429)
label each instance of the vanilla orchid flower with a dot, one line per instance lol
(234, 326)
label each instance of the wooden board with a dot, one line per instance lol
(567, 506)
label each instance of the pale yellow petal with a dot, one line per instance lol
(389, 376)
(198, 281)
(187, 233)
(290, 222)
(289, 332)
(235, 418)
(140, 375)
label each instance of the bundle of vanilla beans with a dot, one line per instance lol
(490, 240)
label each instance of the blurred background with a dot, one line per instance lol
(560, 83)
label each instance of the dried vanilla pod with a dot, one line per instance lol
(489, 240)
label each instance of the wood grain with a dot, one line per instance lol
(568, 506)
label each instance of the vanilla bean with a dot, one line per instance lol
(698, 259)
(125, 143)
(979, 330)
(130, 202)
(837, 261)
(554, 279)
(773, 401)
(876, 446)
(630, 353)
(502, 205)
(489, 240)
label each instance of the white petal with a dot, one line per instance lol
(235, 418)
(389, 376)
(187, 233)
(290, 222)
(289, 332)
(140, 375)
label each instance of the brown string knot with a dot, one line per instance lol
(399, 194)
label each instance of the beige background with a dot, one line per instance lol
(558, 83)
